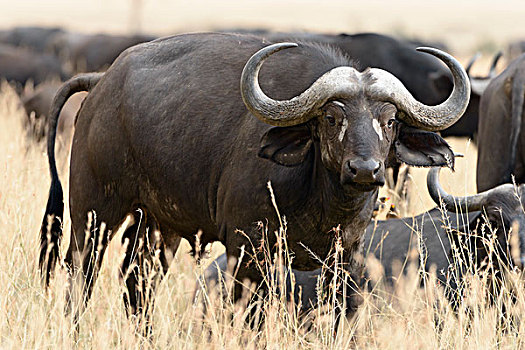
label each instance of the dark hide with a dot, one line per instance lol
(166, 132)
(500, 150)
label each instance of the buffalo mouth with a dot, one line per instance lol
(362, 187)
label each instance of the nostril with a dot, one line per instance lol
(352, 170)
(376, 170)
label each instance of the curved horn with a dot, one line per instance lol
(479, 84)
(453, 203)
(471, 62)
(298, 109)
(431, 118)
(492, 71)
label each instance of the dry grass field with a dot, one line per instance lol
(408, 316)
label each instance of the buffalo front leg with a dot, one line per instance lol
(142, 268)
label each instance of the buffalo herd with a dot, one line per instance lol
(210, 136)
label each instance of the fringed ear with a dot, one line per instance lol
(422, 148)
(288, 146)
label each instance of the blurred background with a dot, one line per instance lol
(465, 25)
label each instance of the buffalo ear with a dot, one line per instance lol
(422, 148)
(288, 146)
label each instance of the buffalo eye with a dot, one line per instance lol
(330, 119)
(391, 123)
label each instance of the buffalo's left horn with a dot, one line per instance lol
(453, 203)
(386, 87)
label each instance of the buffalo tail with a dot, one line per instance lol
(51, 230)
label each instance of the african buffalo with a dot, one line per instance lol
(36, 39)
(19, 65)
(478, 84)
(37, 104)
(500, 146)
(170, 136)
(437, 241)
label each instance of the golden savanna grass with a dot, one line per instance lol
(411, 315)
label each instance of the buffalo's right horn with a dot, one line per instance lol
(338, 81)
(453, 203)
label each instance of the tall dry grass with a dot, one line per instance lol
(411, 315)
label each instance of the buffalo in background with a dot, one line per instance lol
(44, 56)
(93, 53)
(82, 52)
(515, 49)
(37, 39)
(37, 104)
(501, 142)
(21, 65)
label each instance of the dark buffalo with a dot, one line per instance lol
(37, 104)
(36, 39)
(437, 241)
(500, 149)
(18, 65)
(169, 136)
(92, 53)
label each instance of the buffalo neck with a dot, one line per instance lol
(351, 209)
